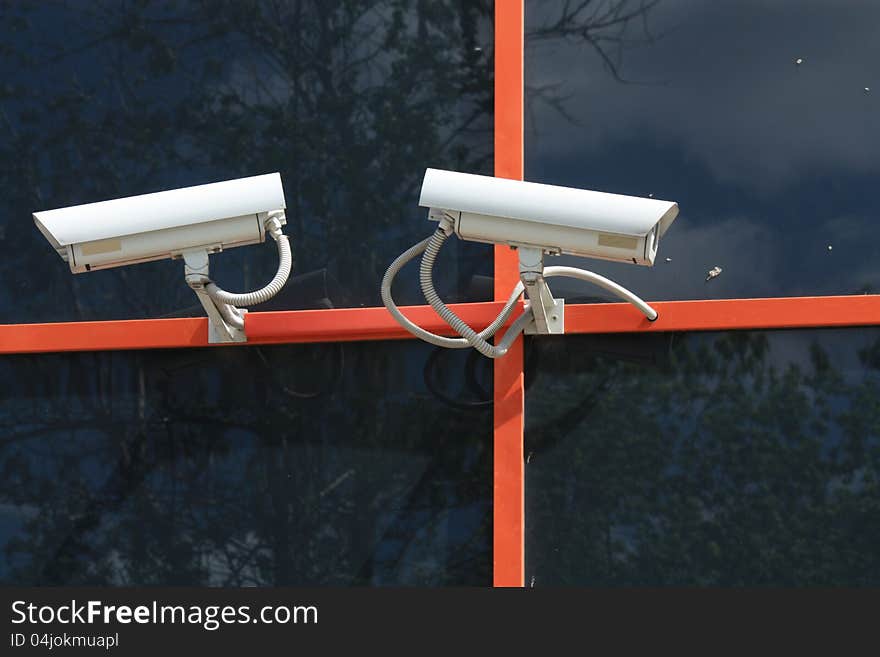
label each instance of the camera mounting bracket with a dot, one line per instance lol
(220, 329)
(549, 313)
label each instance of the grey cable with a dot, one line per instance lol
(285, 263)
(430, 247)
(474, 339)
(438, 340)
(604, 283)
(231, 315)
(510, 335)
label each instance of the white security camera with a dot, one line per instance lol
(537, 220)
(556, 219)
(126, 231)
(188, 223)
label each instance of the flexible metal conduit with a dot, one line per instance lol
(474, 339)
(285, 263)
(432, 338)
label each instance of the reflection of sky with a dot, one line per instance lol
(771, 162)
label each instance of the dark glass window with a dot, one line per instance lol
(762, 119)
(337, 464)
(717, 459)
(350, 101)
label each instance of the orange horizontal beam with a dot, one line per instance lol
(351, 324)
(291, 326)
(726, 314)
(348, 324)
(101, 336)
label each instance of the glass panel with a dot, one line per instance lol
(718, 459)
(290, 465)
(350, 101)
(761, 119)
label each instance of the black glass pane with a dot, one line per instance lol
(350, 101)
(762, 119)
(362, 464)
(718, 459)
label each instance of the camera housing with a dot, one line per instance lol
(147, 227)
(548, 217)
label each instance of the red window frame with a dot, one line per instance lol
(361, 324)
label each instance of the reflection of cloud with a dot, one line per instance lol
(741, 247)
(731, 96)
(751, 256)
(748, 252)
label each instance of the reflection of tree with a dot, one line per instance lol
(121, 471)
(349, 100)
(606, 28)
(714, 468)
(204, 467)
(604, 25)
(215, 477)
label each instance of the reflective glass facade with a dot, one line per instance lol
(747, 457)
(715, 459)
(349, 101)
(356, 463)
(246, 466)
(761, 119)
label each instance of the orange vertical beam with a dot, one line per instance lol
(509, 474)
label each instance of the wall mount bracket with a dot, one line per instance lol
(220, 329)
(549, 313)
